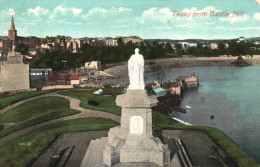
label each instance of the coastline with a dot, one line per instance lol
(120, 70)
(152, 65)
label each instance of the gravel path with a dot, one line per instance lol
(198, 145)
(74, 104)
(75, 143)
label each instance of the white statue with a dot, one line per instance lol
(136, 71)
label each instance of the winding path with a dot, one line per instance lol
(74, 104)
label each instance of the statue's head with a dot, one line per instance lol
(136, 51)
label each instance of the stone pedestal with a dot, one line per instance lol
(133, 140)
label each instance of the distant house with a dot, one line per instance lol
(241, 39)
(44, 47)
(213, 45)
(40, 71)
(63, 78)
(111, 42)
(73, 46)
(93, 65)
(206, 45)
(39, 74)
(252, 48)
(79, 42)
(131, 39)
(187, 44)
(97, 43)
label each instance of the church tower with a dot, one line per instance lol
(12, 32)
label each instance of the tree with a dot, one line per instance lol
(120, 42)
(191, 50)
(222, 48)
(168, 48)
(178, 49)
(22, 48)
(199, 50)
(155, 43)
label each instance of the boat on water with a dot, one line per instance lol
(188, 107)
(179, 110)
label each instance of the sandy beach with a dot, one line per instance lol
(198, 61)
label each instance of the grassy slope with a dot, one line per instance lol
(229, 146)
(4, 102)
(14, 154)
(35, 112)
(224, 142)
(107, 103)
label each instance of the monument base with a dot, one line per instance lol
(94, 157)
(134, 148)
(145, 150)
(116, 139)
(133, 140)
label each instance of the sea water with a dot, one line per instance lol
(230, 94)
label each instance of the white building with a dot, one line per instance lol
(187, 44)
(213, 45)
(79, 42)
(111, 42)
(241, 39)
(93, 65)
(132, 39)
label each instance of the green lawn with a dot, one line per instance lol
(220, 138)
(107, 103)
(15, 154)
(6, 101)
(35, 112)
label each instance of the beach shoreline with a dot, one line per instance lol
(150, 65)
(120, 70)
(191, 62)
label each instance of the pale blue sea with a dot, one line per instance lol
(231, 94)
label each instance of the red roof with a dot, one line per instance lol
(150, 85)
(62, 76)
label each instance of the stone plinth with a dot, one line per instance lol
(133, 140)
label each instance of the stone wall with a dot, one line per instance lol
(14, 77)
(176, 91)
(192, 82)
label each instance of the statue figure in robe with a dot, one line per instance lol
(136, 71)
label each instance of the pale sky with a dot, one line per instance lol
(145, 18)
